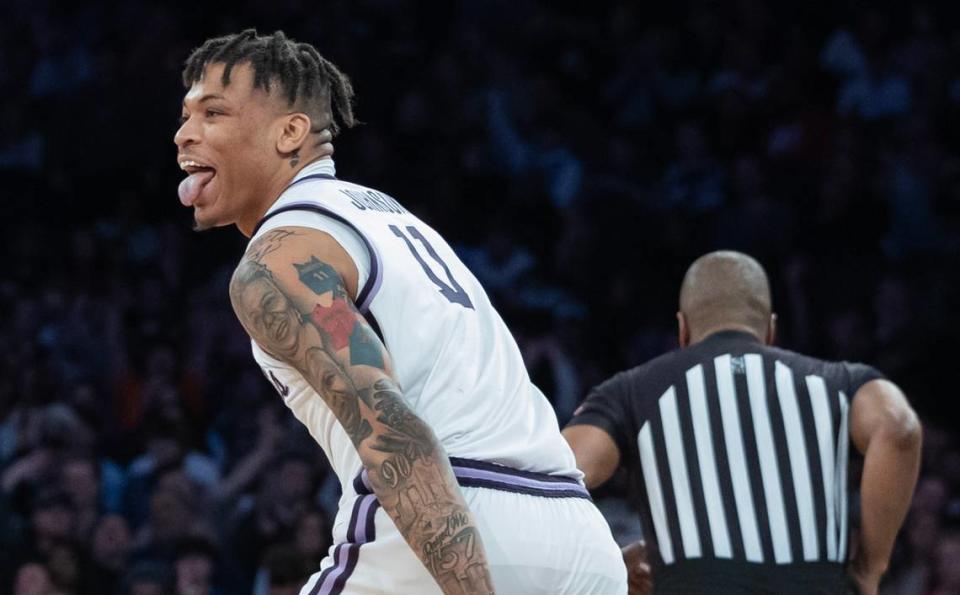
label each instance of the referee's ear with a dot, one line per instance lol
(683, 331)
(772, 329)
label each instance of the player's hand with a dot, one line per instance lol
(639, 577)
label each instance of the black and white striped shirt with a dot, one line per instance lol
(740, 450)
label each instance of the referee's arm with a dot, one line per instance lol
(600, 430)
(885, 429)
(595, 434)
(596, 452)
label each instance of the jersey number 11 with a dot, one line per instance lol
(453, 292)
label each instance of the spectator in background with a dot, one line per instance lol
(80, 480)
(176, 513)
(67, 567)
(283, 572)
(110, 553)
(194, 567)
(253, 463)
(553, 371)
(880, 92)
(52, 521)
(147, 578)
(312, 537)
(32, 578)
(167, 451)
(695, 182)
(947, 569)
(285, 493)
(500, 264)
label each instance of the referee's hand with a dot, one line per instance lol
(866, 582)
(639, 579)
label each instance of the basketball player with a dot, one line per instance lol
(742, 449)
(383, 345)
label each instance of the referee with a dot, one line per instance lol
(740, 449)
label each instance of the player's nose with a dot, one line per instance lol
(187, 134)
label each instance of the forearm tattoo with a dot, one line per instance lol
(336, 351)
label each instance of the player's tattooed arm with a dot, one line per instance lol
(270, 242)
(294, 304)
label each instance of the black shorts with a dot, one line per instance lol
(735, 578)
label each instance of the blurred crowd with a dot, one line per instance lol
(578, 157)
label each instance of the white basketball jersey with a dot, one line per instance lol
(457, 364)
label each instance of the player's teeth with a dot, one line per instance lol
(186, 164)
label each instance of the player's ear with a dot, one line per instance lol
(683, 331)
(772, 329)
(296, 129)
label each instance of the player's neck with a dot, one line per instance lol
(278, 183)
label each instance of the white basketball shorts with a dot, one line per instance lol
(542, 535)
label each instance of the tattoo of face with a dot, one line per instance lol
(339, 393)
(267, 313)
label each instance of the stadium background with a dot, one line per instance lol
(577, 157)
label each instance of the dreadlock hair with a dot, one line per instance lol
(310, 81)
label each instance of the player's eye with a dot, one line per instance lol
(212, 112)
(183, 119)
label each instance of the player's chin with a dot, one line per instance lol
(209, 216)
(200, 223)
(209, 210)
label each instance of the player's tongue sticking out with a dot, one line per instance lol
(191, 186)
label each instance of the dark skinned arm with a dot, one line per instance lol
(886, 431)
(596, 453)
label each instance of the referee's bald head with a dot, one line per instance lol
(725, 290)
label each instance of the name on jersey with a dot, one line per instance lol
(373, 201)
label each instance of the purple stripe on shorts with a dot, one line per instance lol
(361, 530)
(471, 473)
(498, 468)
(362, 483)
(518, 481)
(371, 519)
(340, 580)
(330, 569)
(467, 482)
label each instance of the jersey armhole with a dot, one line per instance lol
(360, 250)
